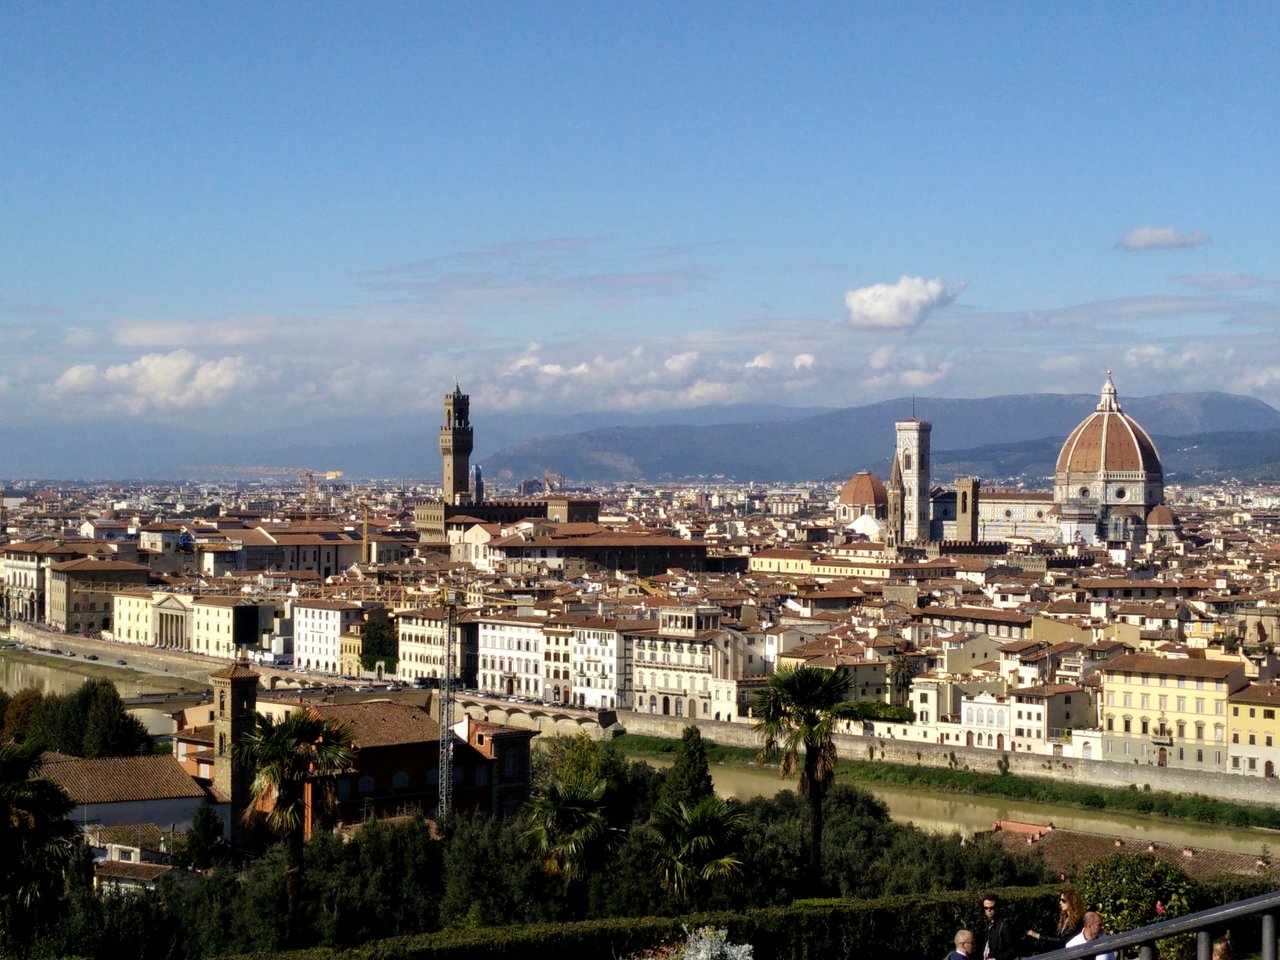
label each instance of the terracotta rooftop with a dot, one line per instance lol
(383, 723)
(120, 779)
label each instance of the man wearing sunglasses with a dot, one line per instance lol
(998, 936)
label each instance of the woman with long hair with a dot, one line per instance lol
(1070, 922)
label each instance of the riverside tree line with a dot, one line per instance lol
(601, 837)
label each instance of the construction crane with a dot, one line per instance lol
(306, 472)
(447, 599)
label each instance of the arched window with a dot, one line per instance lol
(366, 784)
(400, 781)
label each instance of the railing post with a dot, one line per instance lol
(1147, 951)
(1204, 945)
(1268, 936)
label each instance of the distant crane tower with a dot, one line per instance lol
(445, 766)
(305, 472)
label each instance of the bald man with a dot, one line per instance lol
(1092, 931)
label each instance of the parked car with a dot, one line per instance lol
(120, 661)
(91, 656)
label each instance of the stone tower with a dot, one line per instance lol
(893, 497)
(912, 456)
(967, 491)
(235, 702)
(455, 446)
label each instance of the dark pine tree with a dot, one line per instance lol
(689, 779)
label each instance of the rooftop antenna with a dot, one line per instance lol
(913, 406)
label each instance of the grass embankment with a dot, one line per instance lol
(93, 669)
(1005, 786)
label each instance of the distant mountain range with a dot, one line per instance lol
(1215, 432)
(1200, 435)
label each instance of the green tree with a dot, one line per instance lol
(302, 748)
(205, 844)
(689, 779)
(902, 670)
(796, 717)
(378, 642)
(565, 827)
(696, 844)
(1125, 888)
(37, 838)
(109, 729)
(19, 715)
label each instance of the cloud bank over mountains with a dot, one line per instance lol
(631, 340)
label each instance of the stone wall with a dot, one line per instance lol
(1223, 786)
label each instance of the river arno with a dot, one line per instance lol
(60, 675)
(940, 813)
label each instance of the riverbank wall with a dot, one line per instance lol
(1096, 773)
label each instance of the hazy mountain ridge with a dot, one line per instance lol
(837, 443)
(1220, 432)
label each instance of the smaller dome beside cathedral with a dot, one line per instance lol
(1161, 516)
(863, 489)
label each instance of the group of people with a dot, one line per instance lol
(1000, 941)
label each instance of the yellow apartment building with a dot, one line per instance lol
(1168, 712)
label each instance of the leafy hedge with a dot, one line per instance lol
(891, 928)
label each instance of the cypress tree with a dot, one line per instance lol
(689, 779)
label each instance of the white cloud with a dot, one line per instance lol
(923, 378)
(802, 361)
(761, 361)
(895, 306)
(77, 379)
(1152, 238)
(681, 363)
(881, 357)
(915, 377)
(161, 381)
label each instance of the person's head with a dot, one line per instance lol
(1092, 925)
(1071, 908)
(990, 906)
(1222, 948)
(964, 941)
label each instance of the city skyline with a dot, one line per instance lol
(212, 213)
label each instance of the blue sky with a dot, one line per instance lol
(211, 210)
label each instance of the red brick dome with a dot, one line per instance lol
(1109, 441)
(863, 490)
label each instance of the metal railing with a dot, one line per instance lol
(1202, 923)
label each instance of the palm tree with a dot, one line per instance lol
(36, 836)
(285, 757)
(902, 670)
(796, 716)
(696, 843)
(565, 824)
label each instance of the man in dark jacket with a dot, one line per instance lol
(998, 934)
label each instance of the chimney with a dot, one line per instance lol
(1119, 842)
(1188, 852)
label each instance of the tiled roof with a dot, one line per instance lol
(383, 723)
(119, 870)
(121, 779)
(1066, 851)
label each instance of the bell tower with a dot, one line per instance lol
(235, 704)
(912, 451)
(455, 446)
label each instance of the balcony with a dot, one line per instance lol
(1162, 738)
